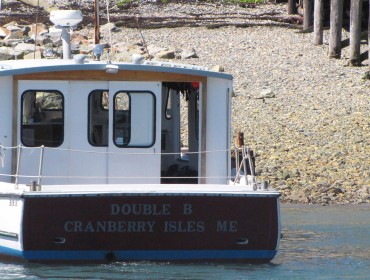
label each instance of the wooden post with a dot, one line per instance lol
(292, 7)
(97, 22)
(355, 35)
(336, 23)
(307, 14)
(318, 25)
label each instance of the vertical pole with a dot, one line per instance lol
(97, 31)
(66, 40)
(19, 151)
(318, 22)
(307, 14)
(355, 32)
(336, 23)
(40, 164)
(240, 145)
(292, 7)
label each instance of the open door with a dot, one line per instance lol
(180, 133)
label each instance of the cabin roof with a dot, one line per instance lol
(17, 67)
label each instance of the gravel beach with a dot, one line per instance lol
(307, 117)
(312, 138)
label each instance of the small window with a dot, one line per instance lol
(134, 119)
(98, 118)
(42, 118)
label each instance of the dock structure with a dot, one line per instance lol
(315, 12)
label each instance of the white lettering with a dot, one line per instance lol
(89, 227)
(141, 209)
(109, 226)
(68, 226)
(151, 226)
(114, 209)
(183, 226)
(227, 226)
(188, 209)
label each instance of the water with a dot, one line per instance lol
(318, 243)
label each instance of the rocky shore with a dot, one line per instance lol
(306, 116)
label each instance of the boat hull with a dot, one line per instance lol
(157, 227)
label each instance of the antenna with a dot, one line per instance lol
(66, 20)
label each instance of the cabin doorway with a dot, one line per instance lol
(180, 132)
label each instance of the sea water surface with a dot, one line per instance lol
(331, 242)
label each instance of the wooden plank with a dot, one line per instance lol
(336, 23)
(318, 26)
(355, 35)
(122, 75)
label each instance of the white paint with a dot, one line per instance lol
(11, 222)
(218, 130)
(55, 162)
(6, 127)
(138, 165)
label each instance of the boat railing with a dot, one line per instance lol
(243, 165)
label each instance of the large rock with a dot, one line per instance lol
(168, 54)
(5, 53)
(39, 28)
(4, 32)
(109, 27)
(189, 53)
(24, 48)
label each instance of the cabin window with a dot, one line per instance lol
(42, 118)
(98, 118)
(134, 119)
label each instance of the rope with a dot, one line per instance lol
(114, 177)
(115, 153)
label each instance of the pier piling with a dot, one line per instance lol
(336, 24)
(318, 22)
(315, 13)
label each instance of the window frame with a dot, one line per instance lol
(62, 122)
(154, 118)
(89, 116)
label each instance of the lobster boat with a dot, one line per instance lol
(103, 161)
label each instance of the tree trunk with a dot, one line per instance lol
(318, 22)
(336, 23)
